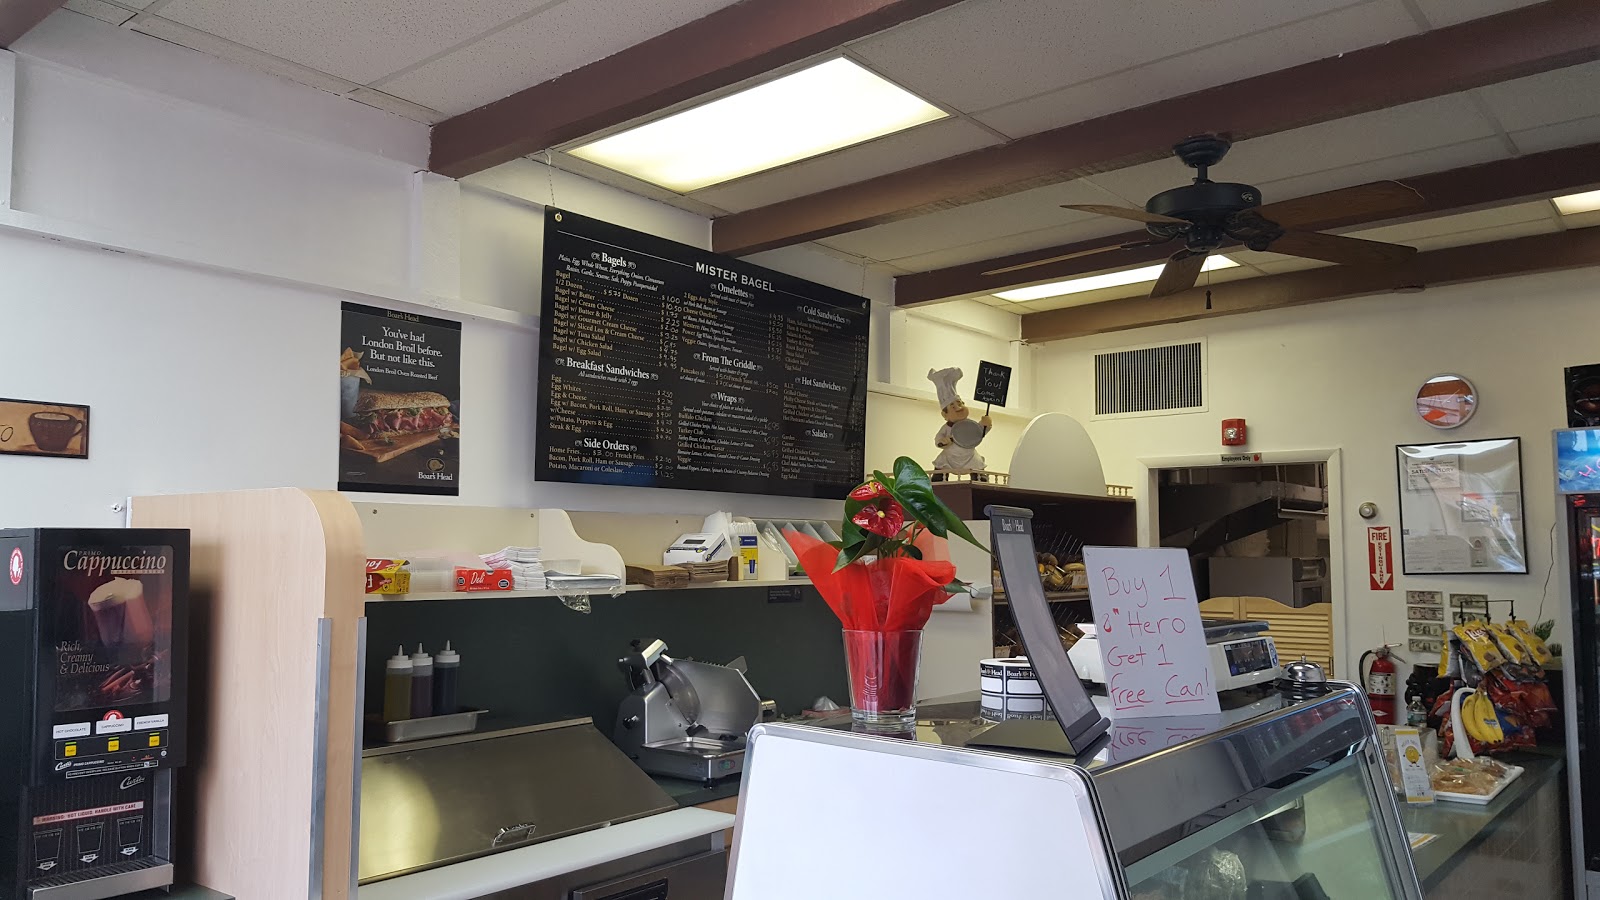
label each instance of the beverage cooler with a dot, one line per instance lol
(1578, 483)
(93, 631)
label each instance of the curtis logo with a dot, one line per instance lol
(132, 781)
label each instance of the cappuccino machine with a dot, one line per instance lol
(93, 691)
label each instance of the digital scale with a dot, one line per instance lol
(1241, 654)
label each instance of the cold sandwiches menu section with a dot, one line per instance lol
(664, 365)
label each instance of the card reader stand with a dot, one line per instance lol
(1076, 718)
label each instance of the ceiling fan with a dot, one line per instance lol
(1207, 214)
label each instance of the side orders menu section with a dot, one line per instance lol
(664, 365)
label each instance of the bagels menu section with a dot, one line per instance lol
(664, 365)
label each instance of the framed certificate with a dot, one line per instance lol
(1461, 510)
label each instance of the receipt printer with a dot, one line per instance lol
(697, 548)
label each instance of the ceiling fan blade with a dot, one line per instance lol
(1339, 249)
(1066, 256)
(1179, 274)
(1369, 202)
(1123, 212)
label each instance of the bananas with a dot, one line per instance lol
(1480, 718)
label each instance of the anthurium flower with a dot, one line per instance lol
(885, 517)
(869, 491)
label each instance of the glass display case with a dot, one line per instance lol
(1280, 797)
(1313, 839)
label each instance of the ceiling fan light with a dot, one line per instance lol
(1104, 280)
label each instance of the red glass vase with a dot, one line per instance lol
(883, 669)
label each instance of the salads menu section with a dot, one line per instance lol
(663, 365)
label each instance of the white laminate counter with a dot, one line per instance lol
(511, 868)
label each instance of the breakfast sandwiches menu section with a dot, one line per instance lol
(664, 365)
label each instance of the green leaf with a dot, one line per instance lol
(913, 481)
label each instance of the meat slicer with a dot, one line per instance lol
(683, 718)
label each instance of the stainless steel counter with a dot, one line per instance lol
(1467, 830)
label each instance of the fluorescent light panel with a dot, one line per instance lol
(1108, 280)
(1572, 204)
(815, 110)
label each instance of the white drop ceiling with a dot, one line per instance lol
(1003, 68)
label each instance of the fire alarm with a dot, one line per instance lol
(1233, 432)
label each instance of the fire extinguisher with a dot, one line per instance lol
(1380, 684)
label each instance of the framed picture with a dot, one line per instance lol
(1426, 629)
(1424, 598)
(1425, 613)
(1425, 646)
(1461, 508)
(34, 428)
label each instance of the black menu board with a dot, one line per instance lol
(663, 365)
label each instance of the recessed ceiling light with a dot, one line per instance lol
(1572, 204)
(815, 110)
(1108, 280)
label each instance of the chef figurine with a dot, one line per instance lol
(954, 458)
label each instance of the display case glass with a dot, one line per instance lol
(1313, 839)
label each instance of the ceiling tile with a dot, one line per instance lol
(1485, 235)
(204, 42)
(976, 222)
(1406, 140)
(1451, 12)
(550, 43)
(393, 104)
(1012, 49)
(1558, 96)
(1554, 137)
(1341, 31)
(1406, 165)
(935, 140)
(1079, 230)
(1476, 220)
(1376, 135)
(359, 40)
(98, 9)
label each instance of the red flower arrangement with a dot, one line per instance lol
(892, 565)
(882, 579)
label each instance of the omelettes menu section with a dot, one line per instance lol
(663, 365)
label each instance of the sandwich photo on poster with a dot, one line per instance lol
(399, 402)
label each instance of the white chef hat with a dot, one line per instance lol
(944, 381)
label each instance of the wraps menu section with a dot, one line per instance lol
(399, 402)
(663, 365)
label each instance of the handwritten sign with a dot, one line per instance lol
(1148, 628)
(994, 383)
(1131, 739)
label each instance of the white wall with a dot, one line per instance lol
(1343, 375)
(179, 234)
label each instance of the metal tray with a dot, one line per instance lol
(430, 727)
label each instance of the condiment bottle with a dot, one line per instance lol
(421, 684)
(397, 687)
(446, 666)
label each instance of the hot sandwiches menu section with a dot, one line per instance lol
(667, 366)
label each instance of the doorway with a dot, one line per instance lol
(1264, 541)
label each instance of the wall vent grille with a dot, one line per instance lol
(1150, 380)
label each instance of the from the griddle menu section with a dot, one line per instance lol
(664, 365)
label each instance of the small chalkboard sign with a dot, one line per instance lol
(994, 382)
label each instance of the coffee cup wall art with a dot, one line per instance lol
(35, 428)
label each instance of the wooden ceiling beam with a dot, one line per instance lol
(1473, 262)
(720, 50)
(1550, 35)
(17, 17)
(1536, 175)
